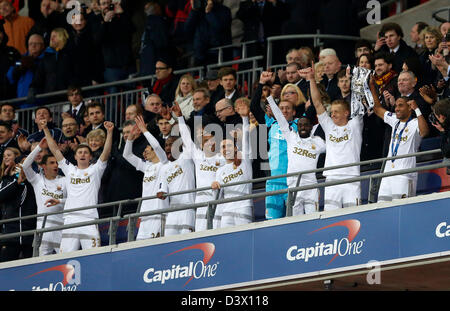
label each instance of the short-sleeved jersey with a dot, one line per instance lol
(82, 187)
(409, 142)
(303, 154)
(178, 176)
(45, 189)
(343, 144)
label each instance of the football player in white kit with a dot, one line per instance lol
(207, 161)
(407, 133)
(177, 175)
(343, 138)
(155, 158)
(238, 167)
(83, 183)
(48, 186)
(303, 154)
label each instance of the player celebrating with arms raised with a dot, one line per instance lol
(155, 158)
(48, 186)
(303, 152)
(407, 132)
(343, 145)
(83, 184)
(206, 162)
(238, 167)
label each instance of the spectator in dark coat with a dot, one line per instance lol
(8, 57)
(54, 72)
(22, 73)
(155, 39)
(166, 82)
(6, 138)
(210, 27)
(114, 37)
(50, 17)
(84, 53)
(391, 42)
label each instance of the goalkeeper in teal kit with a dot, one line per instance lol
(278, 160)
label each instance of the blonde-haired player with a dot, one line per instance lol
(343, 139)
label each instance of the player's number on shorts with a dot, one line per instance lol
(95, 242)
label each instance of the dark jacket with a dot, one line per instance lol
(331, 87)
(154, 43)
(17, 201)
(209, 30)
(85, 56)
(8, 58)
(22, 75)
(404, 52)
(270, 15)
(54, 73)
(121, 180)
(430, 75)
(114, 38)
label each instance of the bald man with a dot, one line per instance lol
(330, 80)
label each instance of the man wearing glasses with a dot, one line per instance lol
(166, 82)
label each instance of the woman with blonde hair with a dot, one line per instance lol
(292, 93)
(96, 140)
(184, 94)
(431, 37)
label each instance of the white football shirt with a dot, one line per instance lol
(82, 188)
(343, 144)
(205, 167)
(45, 189)
(409, 143)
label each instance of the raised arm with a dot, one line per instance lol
(128, 150)
(51, 142)
(309, 75)
(243, 110)
(151, 140)
(423, 125)
(26, 165)
(184, 130)
(377, 108)
(282, 122)
(108, 143)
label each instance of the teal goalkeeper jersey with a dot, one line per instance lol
(278, 159)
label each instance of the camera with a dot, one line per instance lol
(433, 119)
(381, 34)
(111, 7)
(199, 4)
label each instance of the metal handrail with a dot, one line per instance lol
(215, 202)
(255, 180)
(254, 60)
(105, 85)
(242, 45)
(220, 201)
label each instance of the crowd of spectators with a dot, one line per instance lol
(98, 47)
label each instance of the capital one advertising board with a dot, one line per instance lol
(251, 255)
